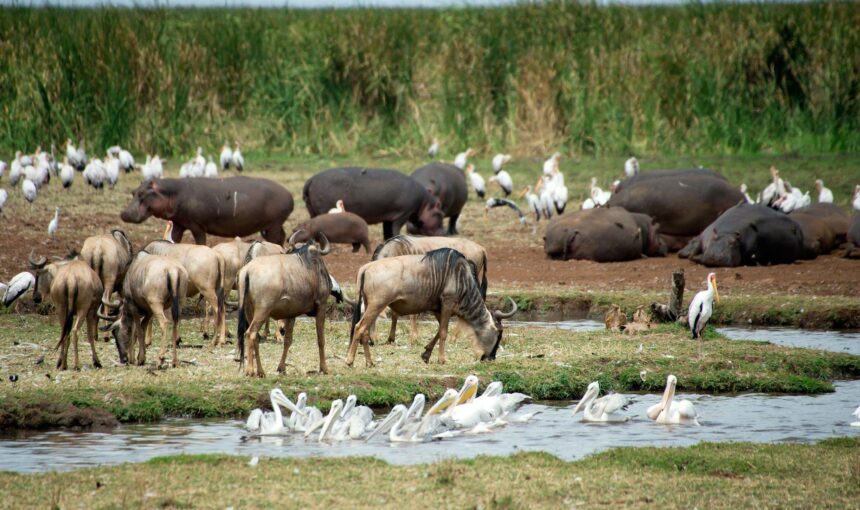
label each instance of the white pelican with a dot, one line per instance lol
(606, 409)
(503, 179)
(465, 414)
(744, 190)
(462, 158)
(16, 169)
(55, 222)
(312, 416)
(238, 160)
(338, 208)
(532, 200)
(226, 158)
(126, 161)
(477, 181)
(4, 195)
(855, 199)
(499, 161)
(856, 414)
(550, 164)
(599, 196)
(18, 285)
(334, 427)
(670, 412)
(631, 167)
(211, 170)
(358, 418)
(271, 423)
(434, 149)
(29, 190)
(406, 425)
(111, 171)
(702, 306)
(67, 173)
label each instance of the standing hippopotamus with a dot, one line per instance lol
(234, 206)
(378, 196)
(339, 228)
(448, 184)
(682, 202)
(747, 234)
(604, 234)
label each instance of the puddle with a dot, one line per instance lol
(748, 417)
(836, 341)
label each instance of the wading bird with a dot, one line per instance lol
(463, 158)
(498, 202)
(669, 412)
(499, 161)
(631, 167)
(434, 149)
(211, 169)
(238, 160)
(552, 163)
(744, 190)
(503, 179)
(126, 161)
(29, 190)
(824, 194)
(67, 173)
(701, 308)
(606, 409)
(226, 157)
(477, 181)
(18, 285)
(338, 208)
(55, 222)
(532, 200)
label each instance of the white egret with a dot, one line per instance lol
(606, 409)
(18, 285)
(55, 222)
(631, 167)
(238, 160)
(669, 412)
(463, 158)
(477, 181)
(434, 149)
(29, 190)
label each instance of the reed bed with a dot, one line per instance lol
(717, 78)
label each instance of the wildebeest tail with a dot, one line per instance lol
(484, 277)
(242, 327)
(173, 290)
(71, 299)
(220, 290)
(356, 310)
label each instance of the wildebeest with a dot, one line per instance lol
(76, 292)
(442, 282)
(152, 283)
(235, 253)
(109, 256)
(283, 287)
(234, 206)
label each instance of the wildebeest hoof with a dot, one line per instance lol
(205, 336)
(281, 369)
(426, 356)
(390, 341)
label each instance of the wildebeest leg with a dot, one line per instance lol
(452, 224)
(393, 331)
(212, 301)
(320, 318)
(148, 337)
(175, 338)
(289, 324)
(362, 334)
(252, 332)
(158, 313)
(143, 325)
(92, 333)
(62, 360)
(428, 349)
(413, 335)
(444, 317)
(75, 327)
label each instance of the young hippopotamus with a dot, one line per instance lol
(339, 228)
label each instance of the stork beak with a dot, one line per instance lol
(716, 292)
(523, 193)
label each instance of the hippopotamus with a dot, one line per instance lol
(652, 244)
(661, 174)
(604, 234)
(683, 202)
(853, 247)
(448, 184)
(747, 234)
(339, 228)
(836, 219)
(234, 206)
(378, 196)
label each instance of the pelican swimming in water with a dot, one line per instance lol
(466, 414)
(606, 409)
(271, 423)
(856, 414)
(312, 416)
(358, 418)
(667, 411)
(406, 425)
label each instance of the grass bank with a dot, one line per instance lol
(533, 77)
(544, 363)
(733, 475)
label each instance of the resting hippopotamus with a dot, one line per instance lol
(853, 251)
(832, 215)
(661, 174)
(604, 234)
(340, 228)
(378, 196)
(747, 234)
(683, 202)
(652, 244)
(448, 184)
(234, 206)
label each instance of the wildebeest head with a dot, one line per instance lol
(150, 198)
(120, 327)
(489, 344)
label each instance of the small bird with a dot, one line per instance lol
(434, 149)
(67, 173)
(631, 167)
(338, 208)
(498, 202)
(55, 222)
(503, 179)
(477, 181)
(226, 157)
(238, 160)
(211, 169)
(746, 195)
(499, 160)
(18, 285)
(462, 158)
(824, 194)
(701, 308)
(29, 190)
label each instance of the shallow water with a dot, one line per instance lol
(749, 417)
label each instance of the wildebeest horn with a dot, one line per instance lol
(103, 315)
(36, 264)
(325, 246)
(115, 304)
(498, 314)
(292, 240)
